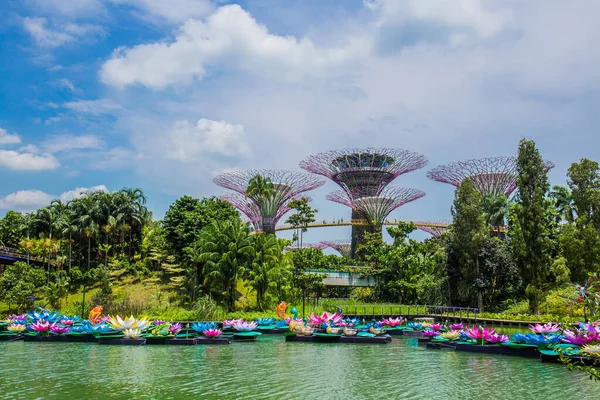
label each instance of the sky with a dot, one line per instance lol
(163, 96)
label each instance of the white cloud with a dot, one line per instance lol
(60, 143)
(193, 142)
(94, 107)
(70, 8)
(80, 191)
(32, 199)
(52, 35)
(171, 11)
(7, 138)
(25, 200)
(27, 160)
(115, 158)
(67, 84)
(229, 37)
(409, 22)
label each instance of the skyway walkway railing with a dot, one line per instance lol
(360, 222)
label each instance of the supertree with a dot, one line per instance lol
(344, 247)
(265, 210)
(363, 173)
(377, 208)
(434, 228)
(491, 176)
(296, 246)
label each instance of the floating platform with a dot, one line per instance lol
(10, 337)
(122, 342)
(218, 340)
(245, 336)
(44, 338)
(331, 338)
(272, 330)
(412, 333)
(81, 338)
(486, 349)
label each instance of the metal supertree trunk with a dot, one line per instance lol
(287, 185)
(363, 173)
(491, 176)
(435, 229)
(344, 247)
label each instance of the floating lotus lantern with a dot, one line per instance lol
(457, 327)
(212, 333)
(497, 338)
(58, 329)
(244, 326)
(538, 340)
(200, 327)
(451, 335)
(265, 321)
(159, 322)
(17, 319)
(175, 328)
(581, 337)
(16, 328)
(120, 324)
(415, 325)
(480, 334)
(41, 326)
(544, 329)
(392, 322)
(430, 333)
(436, 327)
(67, 321)
(325, 319)
(591, 350)
(44, 315)
(229, 323)
(132, 333)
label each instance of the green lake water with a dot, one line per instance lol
(273, 369)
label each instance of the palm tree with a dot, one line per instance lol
(259, 187)
(86, 210)
(495, 209)
(563, 202)
(226, 251)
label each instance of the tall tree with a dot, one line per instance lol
(226, 251)
(304, 216)
(530, 226)
(563, 203)
(469, 233)
(186, 218)
(12, 227)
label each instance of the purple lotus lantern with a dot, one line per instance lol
(175, 328)
(497, 338)
(581, 337)
(457, 327)
(430, 333)
(58, 329)
(244, 326)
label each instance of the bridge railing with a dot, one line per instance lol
(388, 310)
(360, 222)
(16, 253)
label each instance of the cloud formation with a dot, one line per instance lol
(31, 200)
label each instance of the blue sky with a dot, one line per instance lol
(164, 95)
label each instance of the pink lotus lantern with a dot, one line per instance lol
(41, 326)
(231, 322)
(545, 329)
(430, 333)
(392, 322)
(212, 333)
(480, 334)
(436, 327)
(325, 319)
(457, 327)
(66, 322)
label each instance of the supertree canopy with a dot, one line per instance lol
(377, 208)
(344, 247)
(435, 229)
(491, 176)
(363, 172)
(264, 210)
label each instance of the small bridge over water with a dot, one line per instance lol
(9, 256)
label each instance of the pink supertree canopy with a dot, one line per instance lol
(366, 170)
(377, 208)
(434, 228)
(493, 175)
(344, 247)
(286, 185)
